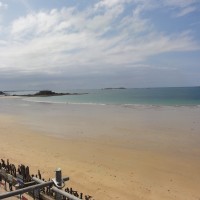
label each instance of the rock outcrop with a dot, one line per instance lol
(47, 93)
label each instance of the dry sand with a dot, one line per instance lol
(111, 152)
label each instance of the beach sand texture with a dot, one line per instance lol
(109, 152)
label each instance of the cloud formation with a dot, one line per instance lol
(3, 6)
(107, 35)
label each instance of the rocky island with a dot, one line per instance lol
(47, 93)
(118, 88)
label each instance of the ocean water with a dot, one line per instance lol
(174, 96)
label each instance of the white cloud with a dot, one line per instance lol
(3, 6)
(180, 3)
(186, 11)
(184, 6)
(86, 41)
(110, 3)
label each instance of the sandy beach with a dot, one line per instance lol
(109, 152)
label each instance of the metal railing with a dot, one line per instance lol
(36, 185)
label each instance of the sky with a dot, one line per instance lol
(79, 44)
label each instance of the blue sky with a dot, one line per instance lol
(99, 43)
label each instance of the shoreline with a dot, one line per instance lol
(154, 97)
(109, 152)
(103, 104)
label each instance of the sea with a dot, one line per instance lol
(168, 96)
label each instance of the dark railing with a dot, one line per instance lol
(20, 182)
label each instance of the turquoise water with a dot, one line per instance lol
(145, 96)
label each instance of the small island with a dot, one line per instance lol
(47, 93)
(118, 88)
(2, 93)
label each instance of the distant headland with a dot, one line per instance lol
(42, 93)
(118, 88)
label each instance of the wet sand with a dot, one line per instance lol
(109, 152)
